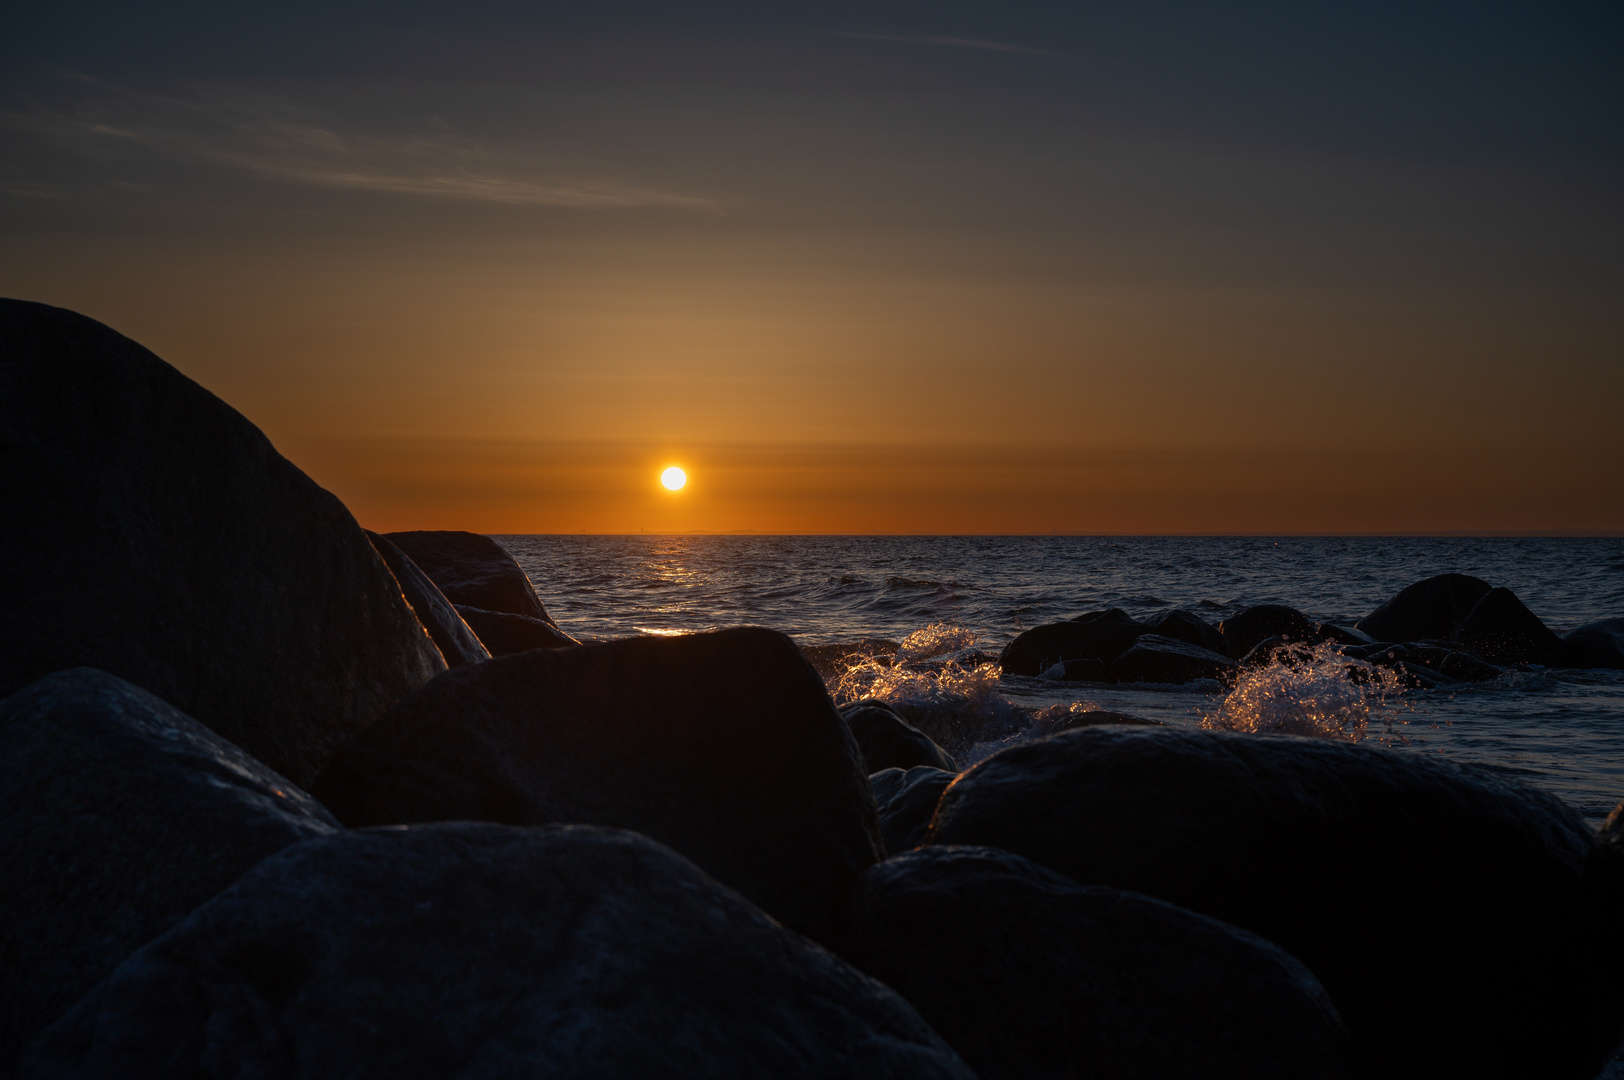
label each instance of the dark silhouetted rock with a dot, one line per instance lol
(1343, 634)
(1095, 718)
(1030, 975)
(1093, 671)
(152, 532)
(1277, 650)
(1242, 632)
(1306, 842)
(1452, 664)
(1428, 609)
(907, 801)
(1598, 644)
(833, 661)
(723, 745)
(485, 952)
(473, 571)
(1191, 629)
(1098, 635)
(1501, 630)
(119, 815)
(504, 634)
(887, 741)
(1157, 659)
(458, 644)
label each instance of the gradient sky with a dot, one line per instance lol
(874, 267)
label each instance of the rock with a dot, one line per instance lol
(1242, 632)
(153, 533)
(1093, 671)
(1598, 644)
(723, 745)
(484, 952)
(1427, 609)
(907, 801)
(119, 816)
(504, 634)
(1277, 650)
(1096, 718)
(1191, 629)
(1308, 842)
(473, 571)
(833, 661)
(887, 741)
(458, 644)
(1450, 664)
(1501, 630)
(1157, 659)
(1098, 635)
(1030, 975)
(1343, 634)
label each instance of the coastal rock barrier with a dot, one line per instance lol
(283, 798)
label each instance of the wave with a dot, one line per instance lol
(1311, 691)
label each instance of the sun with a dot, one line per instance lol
(674, 479)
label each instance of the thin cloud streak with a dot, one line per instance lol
(954, 43)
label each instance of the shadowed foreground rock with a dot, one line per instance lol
(1428, 610)
(887, 741)
(152, 532)
(1030, 975)
(483, 951)
(1410, 887)
(472, 571)
(118, 816)
(505, 634)
(458, 644)
(1098, 635)
(907, 800)
(723, 745)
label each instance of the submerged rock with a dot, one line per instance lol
(723, 745)
(1409, 886)
(1191, 629)
(1598, 644)
(1098, 635)
(907, 799)
(457, 643)
(119, 816)
(484, 951)
(1430, 608)
(152, 532)
(887, 741)
(1156, 659)
(1030, 975)
(1242, 632)
(472, 571)
(504, 634)
(1501, 630)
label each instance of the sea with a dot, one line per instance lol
(952, 602)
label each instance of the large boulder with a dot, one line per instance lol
(1409, 886)
(473, 571)
(1030, 975)
(484, 951)
(1098, 635)
(1501, 630)
(887, 741)
(1430, 608)
(1157, 659)
(153, 533)
(504, 633)
(1181, 625)
(118, 816)
(1244, 631)
(458, 644)
(1598, 644)
(723, 745)
(906, 800)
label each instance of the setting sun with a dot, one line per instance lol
(674, 478)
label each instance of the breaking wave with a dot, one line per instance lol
(1315, 691)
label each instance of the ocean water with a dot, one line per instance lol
(954, 602)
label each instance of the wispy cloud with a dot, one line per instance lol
(276, 141)
(953, 43)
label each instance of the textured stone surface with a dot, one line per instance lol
(473, 571)
(118, 816)
(458, 644)
(1410, 887)
(1030, 975)
(723, 745)
(485, 951)
(887, 741)
(152, 532)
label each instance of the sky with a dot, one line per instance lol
(880, 267)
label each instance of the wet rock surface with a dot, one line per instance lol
(154, 533)
(119, 815)
(1031, 975)
(1244, 631)
(887, 741)
(457, 643)
(505, 634)
(1307, 843)
(1430, 608)
(1157, 659)
(472, 571)
(723, 745)
(1098, 635)
(906, 799)
(486, 951)
(1598, 644)
(1501, 630)
(1191, 629)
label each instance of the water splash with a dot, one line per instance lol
(1310, 690)
(937, 639)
